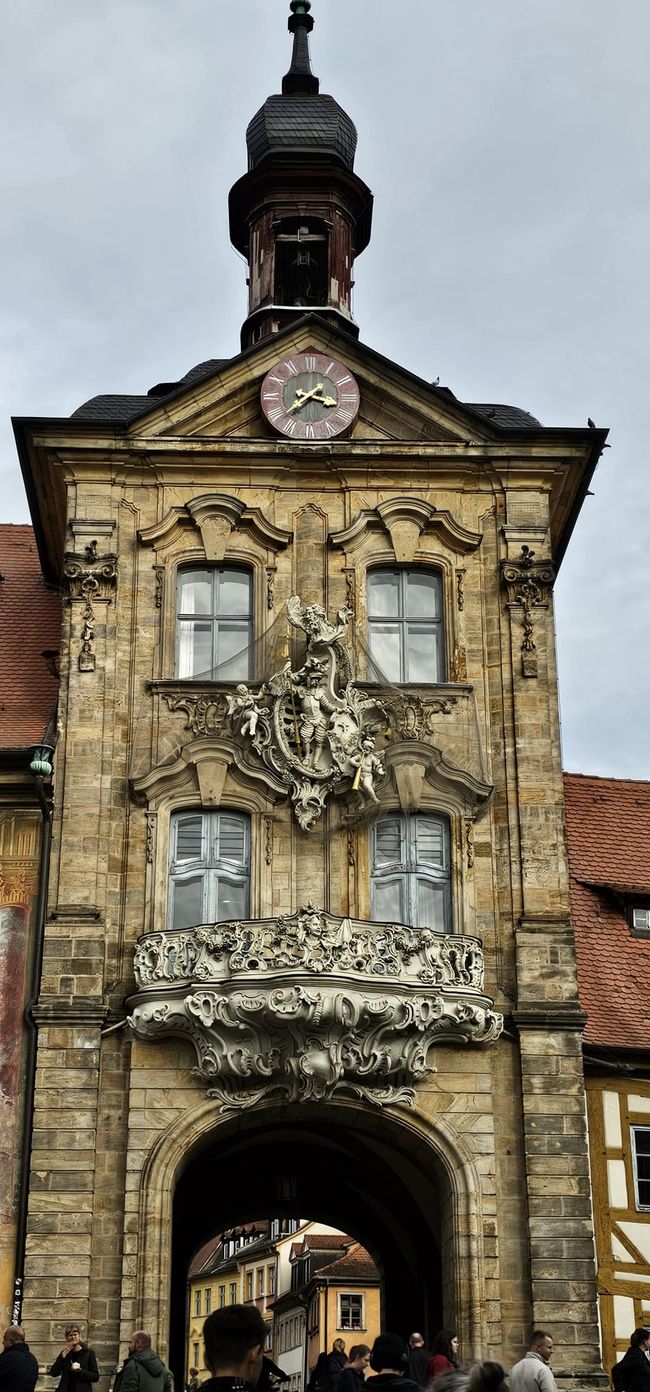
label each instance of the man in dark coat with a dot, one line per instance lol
(418, 1359)
(234, 1345)
(76, 1365)
(18, 1367)
(335, 1364)
(633, 1372)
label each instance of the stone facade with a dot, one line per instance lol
(420, 1089)
(421, 482)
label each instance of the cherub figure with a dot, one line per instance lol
(244, 708)
(369, 766)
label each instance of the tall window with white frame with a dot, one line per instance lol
(209, 875)
(411, 871)
(641, 1162)
(405, 626)
(351, 1311)
(214, 623)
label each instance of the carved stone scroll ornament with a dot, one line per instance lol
(91, 578)
(311, 1006)
(205, 715)
(312, 728)
(413, 717)
(528, 583)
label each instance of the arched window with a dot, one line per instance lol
(209, 877)
(214, 623)
(405, 625)
(411, 871)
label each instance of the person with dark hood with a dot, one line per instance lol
(76, 1365)
(143, 1370)
(353, 1375)
(444, 1355)
(234, 1347)
(18, 1367)
(389, 1360)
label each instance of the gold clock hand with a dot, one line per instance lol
(302, 397)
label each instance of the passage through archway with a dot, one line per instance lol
(354, 1170)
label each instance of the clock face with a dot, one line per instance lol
(310, 397)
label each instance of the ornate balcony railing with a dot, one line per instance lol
(310, 1005)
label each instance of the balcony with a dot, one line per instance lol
(311, 1006)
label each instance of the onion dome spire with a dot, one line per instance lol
(300, 77)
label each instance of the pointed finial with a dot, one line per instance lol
(300, 77)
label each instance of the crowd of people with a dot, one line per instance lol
(235, 1337)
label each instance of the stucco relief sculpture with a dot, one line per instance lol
(313, 727)
(310, 1005)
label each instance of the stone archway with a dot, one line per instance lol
(403, 1185)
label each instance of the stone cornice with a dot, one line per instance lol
(411, 510)
(551, 1015)
(75, 1011)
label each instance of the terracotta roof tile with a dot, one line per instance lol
(357, 1263)
(608, 828)
(30, 623)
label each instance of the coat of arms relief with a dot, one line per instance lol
(313, 727)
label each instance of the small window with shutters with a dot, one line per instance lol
(411, 871)
(209, 869)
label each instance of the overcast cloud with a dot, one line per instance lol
(506, 142)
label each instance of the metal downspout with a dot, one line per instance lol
(40, 765)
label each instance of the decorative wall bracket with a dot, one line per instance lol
(313, 729)
(91, 578)
(528, 583)
(310, 1006)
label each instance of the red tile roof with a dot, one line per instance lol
(325, 1242)
(30, 622)
(608, 828)
(357, 1264)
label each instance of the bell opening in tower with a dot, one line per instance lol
(301, 264)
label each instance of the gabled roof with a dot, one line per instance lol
(218, 402)
(30, 624)
(324, 1242)
(608, 830)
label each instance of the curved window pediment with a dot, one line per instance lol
(405, 625)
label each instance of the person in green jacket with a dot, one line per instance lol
(143, 1370)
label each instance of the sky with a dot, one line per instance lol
(506, 143)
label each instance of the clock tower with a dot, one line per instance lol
(300, 215)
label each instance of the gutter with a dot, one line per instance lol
(41, 767)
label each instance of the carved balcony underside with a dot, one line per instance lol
(309, 1006)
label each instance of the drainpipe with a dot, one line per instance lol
(40, 767)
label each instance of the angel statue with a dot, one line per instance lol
(369, 766)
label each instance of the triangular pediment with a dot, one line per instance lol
(395, 405)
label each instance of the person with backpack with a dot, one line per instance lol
(632, 1374)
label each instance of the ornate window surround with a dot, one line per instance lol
(204, 776)
(212, 529)
(408, 532)
(419, 781)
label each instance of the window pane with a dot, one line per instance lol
(385, 650)
(194, 648)
(383, 594)
(431, 905)
(430, 840)
(423, 663)
(195, 592)
(232, 899)
(234, 592)
(232, 658)
(422, 596)
(388, 841)
(188, 902)
(388, 901)
(231, 839)
(189, 841)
